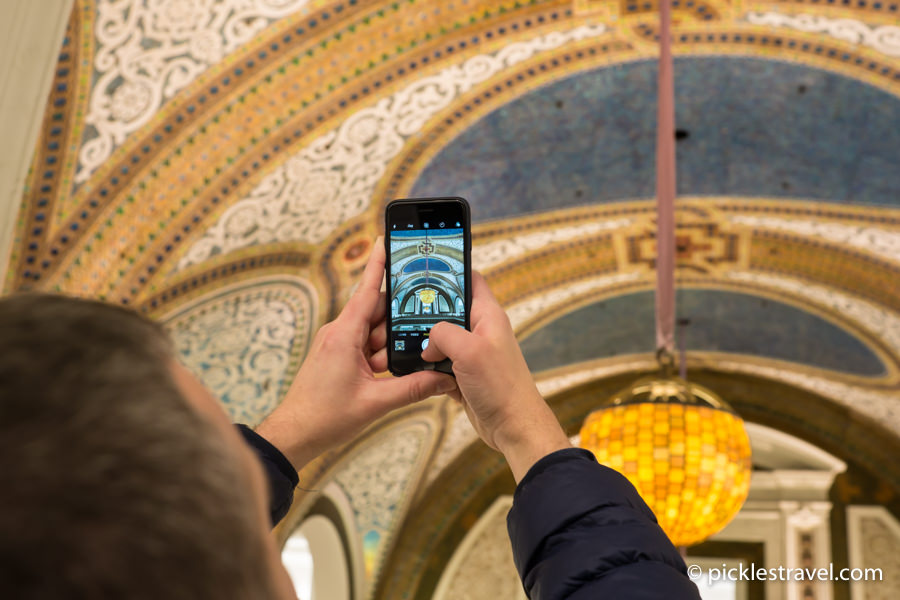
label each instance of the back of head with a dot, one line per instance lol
(112, 486)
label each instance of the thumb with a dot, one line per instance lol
(395, 392)
(446, 341)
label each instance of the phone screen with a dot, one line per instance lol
(428, 275)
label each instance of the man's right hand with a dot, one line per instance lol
(495, 386)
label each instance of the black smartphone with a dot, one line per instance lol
(428, 265)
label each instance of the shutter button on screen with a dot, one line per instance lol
(424, 343)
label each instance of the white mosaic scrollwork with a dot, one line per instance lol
(523, 311)
(333, 178)
(482, 567)
(881, 322)
(882, 549)
(882, 242)
(485, 256)
(377, 481)
(240, 345)
(460, 434)
(149, 50)
(881, 38)
(874, 544)
(882, 407)
(559, 383)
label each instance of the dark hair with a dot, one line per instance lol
(112, 485)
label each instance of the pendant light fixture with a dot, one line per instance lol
(682, 446)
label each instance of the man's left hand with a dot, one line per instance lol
(335, 395)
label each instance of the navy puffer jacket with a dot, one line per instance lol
(579, 530)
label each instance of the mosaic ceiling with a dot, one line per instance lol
(223, 165)
(748, 127)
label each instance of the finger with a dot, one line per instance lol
(378, 361)
(380, 309)
(319, 338)
(433, 353)
(378, 337)
(369, 287)
(484, 303)
(448, 341)
(364, 302)
(400, 391)
(374, 272)
(456, 395)
(480, 288)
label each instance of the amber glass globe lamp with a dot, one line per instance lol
(683, 448)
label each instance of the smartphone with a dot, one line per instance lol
(428, 268)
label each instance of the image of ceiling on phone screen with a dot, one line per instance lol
(427, 278)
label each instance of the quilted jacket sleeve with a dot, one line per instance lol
(281, 474)
(580, 531)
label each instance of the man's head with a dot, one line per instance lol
(119, 477)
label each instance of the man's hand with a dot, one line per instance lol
(335, 394)
(495, 386)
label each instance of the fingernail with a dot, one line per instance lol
(447, 386)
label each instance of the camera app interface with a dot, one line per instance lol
(427, 282)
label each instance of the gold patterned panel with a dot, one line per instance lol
(171, 180)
